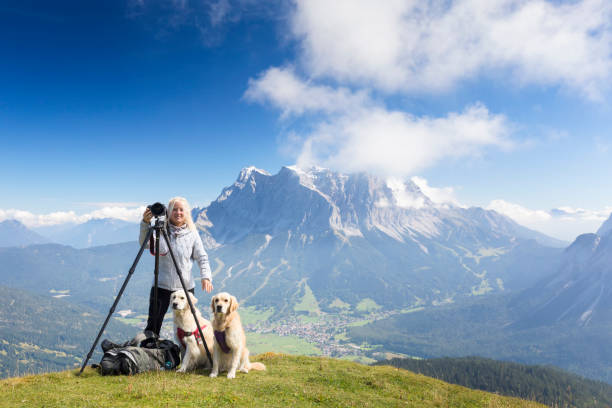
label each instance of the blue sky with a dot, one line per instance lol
(107, 106)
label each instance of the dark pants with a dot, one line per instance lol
(156, 314)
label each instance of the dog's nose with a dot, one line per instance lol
(219, 309)
(174, 305)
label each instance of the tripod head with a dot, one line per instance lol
(160, 221)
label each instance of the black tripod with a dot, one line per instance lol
(159, 229)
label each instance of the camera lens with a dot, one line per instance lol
(157, 209)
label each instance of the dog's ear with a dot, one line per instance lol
(233, 304)
(212, 304)
(194, 299)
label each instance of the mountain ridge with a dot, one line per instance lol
(14, 234)
(358, 236)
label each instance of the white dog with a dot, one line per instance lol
(193, 354)
(230, 352)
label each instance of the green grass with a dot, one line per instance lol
(367, 305)
(360, 323)
(252, 315)
(359, 359)
(338, 304)
(132, 321)
(290, 381)
(262, 343)
(308, 303)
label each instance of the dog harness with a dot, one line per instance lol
(220, 337)
(181, 334)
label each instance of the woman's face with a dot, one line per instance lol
(178, 214)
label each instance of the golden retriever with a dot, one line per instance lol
(193, 354)
(229, 352)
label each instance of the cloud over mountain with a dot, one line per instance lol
(560, 222)
(358, 133)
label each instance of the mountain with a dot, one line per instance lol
(15, 234)
(95, 232)
(606, 227)
(345, 238)
(564, 319)
(581, 289)
(41, 333)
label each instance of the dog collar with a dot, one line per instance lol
(181, 334)
(220, 337)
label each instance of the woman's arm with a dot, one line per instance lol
(201, 257)
(144, 225)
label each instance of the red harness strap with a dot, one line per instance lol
(181, 334)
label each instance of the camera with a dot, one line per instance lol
(157, 209)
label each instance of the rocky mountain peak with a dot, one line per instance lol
(606, 227)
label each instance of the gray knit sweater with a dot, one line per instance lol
(187, 247)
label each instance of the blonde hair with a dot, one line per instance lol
(186, 210)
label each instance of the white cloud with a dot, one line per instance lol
(439, 195)
(62, 217)
(565, 223)
(403, 198)
(113, 204)
(398, 45)
(283, 89)
(218, 12)
(396, 143)
(518, 213)
(359, 134)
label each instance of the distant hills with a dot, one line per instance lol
(581, 290)
(96, 232)
(564, 319)
(15, 234)
(546, 385)
(40, 333)
(91, 277)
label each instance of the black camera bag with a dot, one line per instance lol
(149, 356)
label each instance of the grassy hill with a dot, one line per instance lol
(290, 381)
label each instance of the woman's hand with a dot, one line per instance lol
(207, 285)
(146, 217)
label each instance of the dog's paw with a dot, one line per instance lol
(182, 369)
(231, 374)
(244, 370)
(213, 375)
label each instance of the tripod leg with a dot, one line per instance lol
(112, 309)
(156, 273)
(178, 271)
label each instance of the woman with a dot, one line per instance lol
(186, 246)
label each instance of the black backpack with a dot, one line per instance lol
(149, 355)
